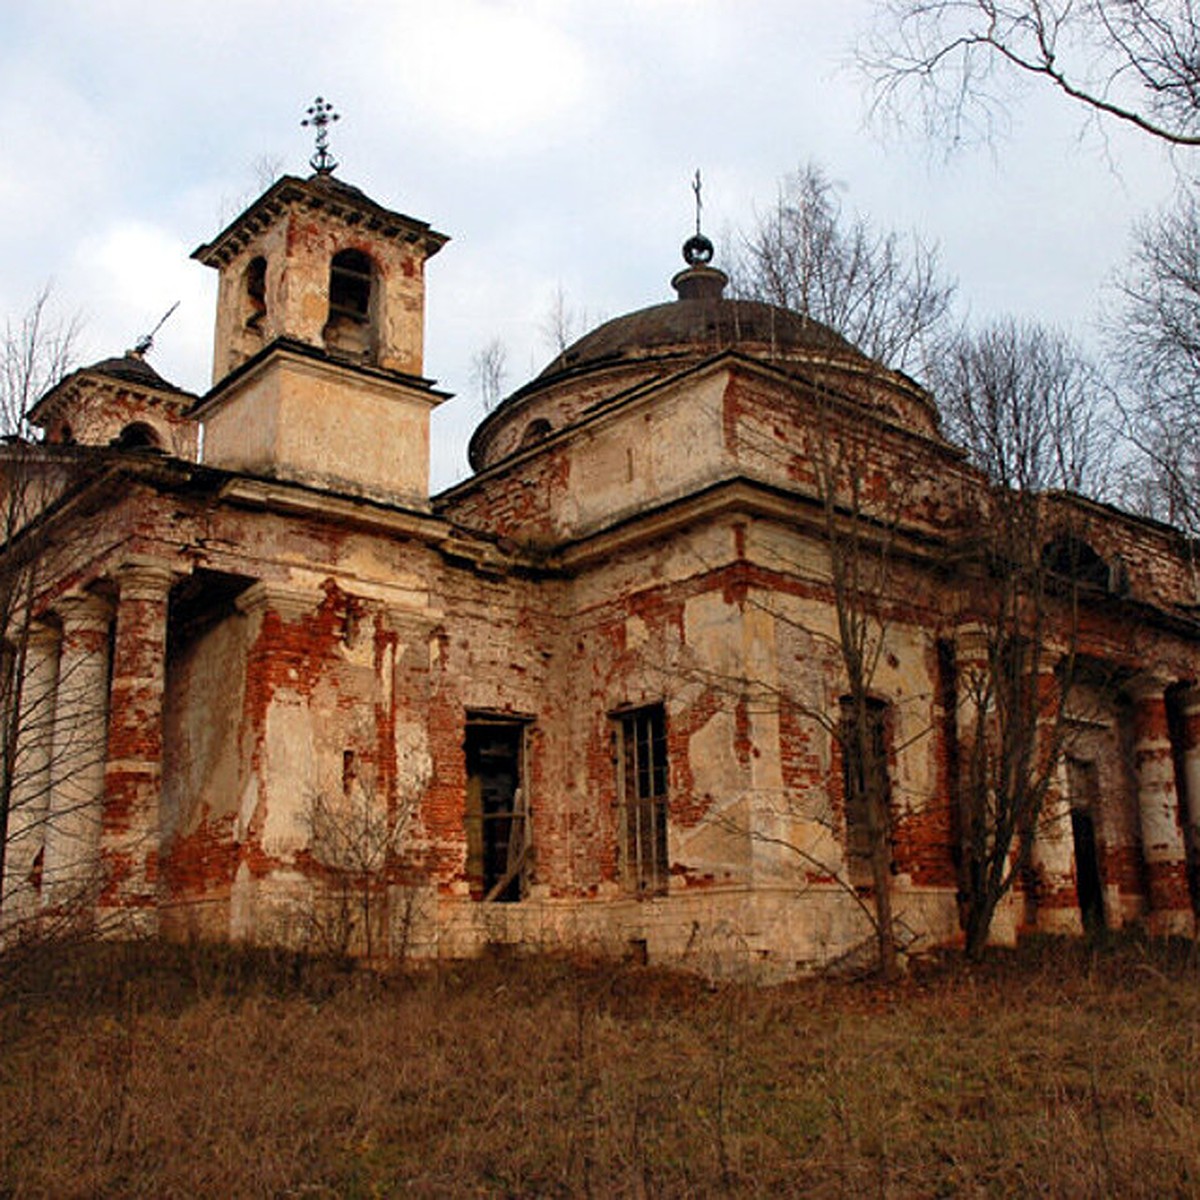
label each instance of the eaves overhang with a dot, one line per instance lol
(318, 194)
(283, 348)
(731, 361)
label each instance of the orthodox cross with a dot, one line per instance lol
(320, 116)
(697, 250)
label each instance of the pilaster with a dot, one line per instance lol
(133, 773)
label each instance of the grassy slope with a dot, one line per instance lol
(152, 1071)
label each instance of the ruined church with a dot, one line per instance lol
(266, 687)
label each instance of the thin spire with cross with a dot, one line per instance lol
(697, 250)
(321, 116)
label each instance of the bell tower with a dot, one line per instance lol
(317, 361)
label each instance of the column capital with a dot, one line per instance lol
(144, 578)
(971, 644)
(1148, 686)
(1189, 700)
(288, 600)
(83, 610)
(42, 635)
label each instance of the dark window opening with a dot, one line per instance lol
(498, 832)
(256, 292)
(1083, 790)
(1072, 558)
(866, 786)
(347, 332)
(350, 286)
(642, 794)
(138, 436)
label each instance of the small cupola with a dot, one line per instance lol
(122, 402)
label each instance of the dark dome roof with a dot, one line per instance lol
(132, 368)
(699, 326)
(656, 342)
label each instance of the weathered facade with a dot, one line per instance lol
(273, 690)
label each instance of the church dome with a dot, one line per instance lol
(655, 342)
(687, 328)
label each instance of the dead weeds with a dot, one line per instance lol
(130, 1071)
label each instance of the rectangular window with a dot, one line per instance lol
(642, 795)
(864, 782)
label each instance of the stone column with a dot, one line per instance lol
(1052, 855)
(133, 774)
(971, 671)
(29, 798)
(71, 866)
(1162, 838)
(1053, 858)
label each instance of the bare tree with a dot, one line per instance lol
(883, 292)
(1022, 400)
(860, 534)
(858, 520)
(39, 349)
(1155, 343)
(51, 749)
(887, 295)
(489, 369)
(354, 838)
(1135, 62)
(562, 324)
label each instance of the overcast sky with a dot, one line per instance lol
(554, 142)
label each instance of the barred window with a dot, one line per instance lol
(642, 794)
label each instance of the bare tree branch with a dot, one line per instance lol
(884, 293)
(1136, 62)
(1155, 344)
(1021, 399)
(489, 368)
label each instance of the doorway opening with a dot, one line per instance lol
(1084, 789)
(498, 832)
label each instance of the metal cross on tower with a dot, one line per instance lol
(321, 116)
(699, 202)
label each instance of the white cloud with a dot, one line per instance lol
(484, 70)
(127, 276)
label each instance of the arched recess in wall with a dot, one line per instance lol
(865, 780)
(537, 429)
(254, 293)
(1070, 557)
(350, 328)
(138, 436)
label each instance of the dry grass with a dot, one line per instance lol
(178, 1072)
